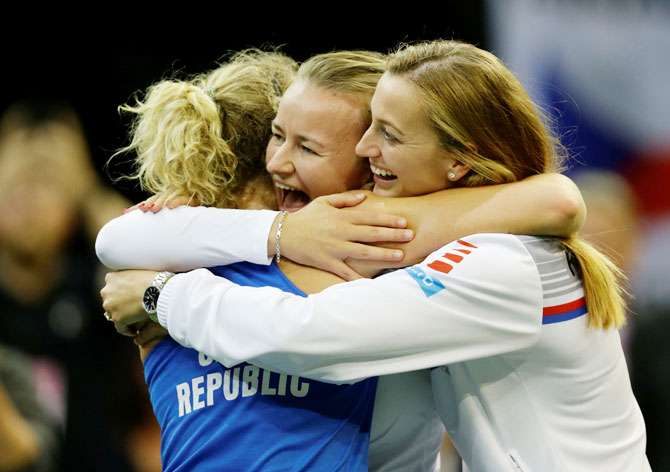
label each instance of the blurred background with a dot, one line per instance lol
(601, 70)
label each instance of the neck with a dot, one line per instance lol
(307, 279)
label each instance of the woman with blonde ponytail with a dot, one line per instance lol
(519, 332)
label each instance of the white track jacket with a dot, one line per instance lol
(520, 381)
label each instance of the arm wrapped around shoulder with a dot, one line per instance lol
(184, 238)
(476, 297)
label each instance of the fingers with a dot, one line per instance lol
(343, 271)
(124, 330)
(155, 203)
(143, 206)
(131, 208)
(149, 332)
(120, 326)
(373, 253)
(179, 201)
(342, 200)
(122, 298)
(376, 219)
(373, 234)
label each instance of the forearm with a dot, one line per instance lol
(185, 238)
(361, 329)
(548, 204)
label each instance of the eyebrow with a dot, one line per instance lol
(300, 137)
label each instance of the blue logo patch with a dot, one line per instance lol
(429, 285)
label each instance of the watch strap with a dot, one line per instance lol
(159, 282)
(161, 279)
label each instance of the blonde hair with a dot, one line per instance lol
(205, 137)
(486, 120)
(354, 73)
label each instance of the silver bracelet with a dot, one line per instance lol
(278, 237)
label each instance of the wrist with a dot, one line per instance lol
(164, 301)
(280, 225)
(272, 234)
(152, 294)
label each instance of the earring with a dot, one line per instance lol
(452, 176)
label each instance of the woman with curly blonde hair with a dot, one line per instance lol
(204, 138)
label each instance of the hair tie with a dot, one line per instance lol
(210, 93)
(276, 86)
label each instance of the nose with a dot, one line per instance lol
(278, 159)
(367, 146)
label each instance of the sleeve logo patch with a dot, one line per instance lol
(429, 285)
(445, 267)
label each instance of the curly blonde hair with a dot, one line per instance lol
(205, 138)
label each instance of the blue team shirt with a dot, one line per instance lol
(245, 418)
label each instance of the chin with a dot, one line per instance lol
(388, 193)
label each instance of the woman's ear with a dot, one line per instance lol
(457, 170)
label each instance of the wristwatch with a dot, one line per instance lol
(150, 298)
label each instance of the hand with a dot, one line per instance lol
(148, 335)
(148, 331)
(156, 203)
(122, 298)
(323, 235)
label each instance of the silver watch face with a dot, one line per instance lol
(150, 299)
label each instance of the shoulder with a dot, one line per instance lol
(489, 249)
(487, 265)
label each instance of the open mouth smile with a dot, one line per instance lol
(289, 198)
(382, 174)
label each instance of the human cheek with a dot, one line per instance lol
(363, 174)
(352, 174)
(319, 178)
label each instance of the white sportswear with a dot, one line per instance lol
(517, 390)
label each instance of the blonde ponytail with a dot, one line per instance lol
(179, 144)
(603, 284)
(485, 119)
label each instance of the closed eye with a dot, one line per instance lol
(386, 135)
(307, 150)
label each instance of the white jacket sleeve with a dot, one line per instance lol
(474, 298)
(185, 238)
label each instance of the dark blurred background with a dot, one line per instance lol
(98, 67)
(601, 70)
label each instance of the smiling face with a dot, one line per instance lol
(312, 149)
(405, 154)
